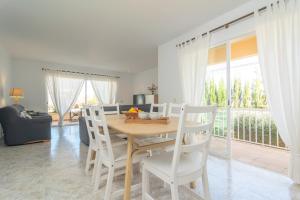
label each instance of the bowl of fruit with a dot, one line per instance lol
(132, 113)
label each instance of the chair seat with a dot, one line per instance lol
(115, 141)
(117, 133)
(162, 164)
(120, 155)
(151, 140)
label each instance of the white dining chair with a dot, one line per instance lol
(109, 156)
(188, 161)
(93, 146)
(174, 110)
(111, 109)
(161, 109)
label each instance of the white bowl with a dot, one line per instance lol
(154, 116)
(143, 115)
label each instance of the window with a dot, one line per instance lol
(246, 81)
(86, 96)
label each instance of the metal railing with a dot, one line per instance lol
(249, 125)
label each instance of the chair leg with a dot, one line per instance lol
(205, 184)
(96, 163)
(174, 191)
(110, 178)
(145, 184)
(150, 152)
(98, 175)
(88, 161)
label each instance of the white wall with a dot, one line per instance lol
(169, 87)
(143, 80)
(28, 74)
(5, 77)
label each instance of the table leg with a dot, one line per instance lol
(193, 185)
(128, 172)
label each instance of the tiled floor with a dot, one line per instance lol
(66, 123)
(55, 170)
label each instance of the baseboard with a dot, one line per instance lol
(37, 141)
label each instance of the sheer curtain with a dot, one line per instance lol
(193, 60)
(64, 90)
(278, 36)
(105, 90)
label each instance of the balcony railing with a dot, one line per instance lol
(249, 125)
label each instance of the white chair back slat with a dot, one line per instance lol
(174, 110)
(188, 148)
(199, 109)
(197, 128)
(185, 128)
(116, 111)
(161, 109)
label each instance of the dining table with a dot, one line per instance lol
(136, 132)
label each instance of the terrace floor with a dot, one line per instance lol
(269, 158)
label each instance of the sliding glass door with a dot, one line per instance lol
(251, 119)
(234, 84)
(217, 92)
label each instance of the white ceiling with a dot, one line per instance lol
(119, 35)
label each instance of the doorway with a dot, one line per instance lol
(86, 96)
(234, 84)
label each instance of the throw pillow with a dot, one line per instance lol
(24, 114)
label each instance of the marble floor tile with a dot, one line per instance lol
(55, 170)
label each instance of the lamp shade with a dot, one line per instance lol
(16, 92)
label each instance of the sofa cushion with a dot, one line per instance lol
(18, 107)
(24, 114)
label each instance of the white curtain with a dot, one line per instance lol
(105, 90)
(278, 36)
(193, 59)
(64, 90)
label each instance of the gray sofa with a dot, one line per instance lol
(18, 130)
(84, 137)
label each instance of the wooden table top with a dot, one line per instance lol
(118, 123)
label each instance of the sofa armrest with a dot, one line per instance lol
(40, 119)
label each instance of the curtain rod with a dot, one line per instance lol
(223, 26)
(82, 73)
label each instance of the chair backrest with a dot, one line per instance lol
(111, 109)
(174, 110)
(161, 109)
(194, 121)
(102, 134)
(91, 126)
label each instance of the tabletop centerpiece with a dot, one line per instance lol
(135, 115)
